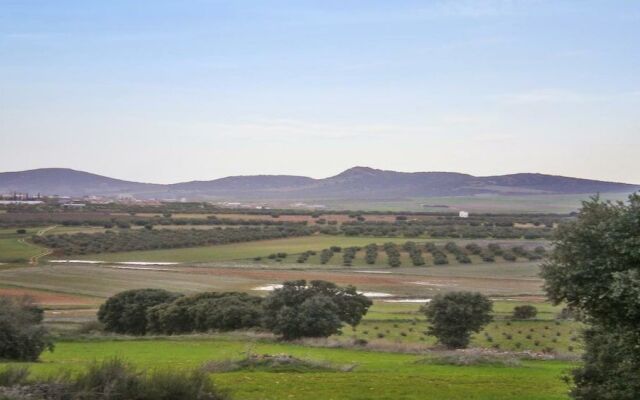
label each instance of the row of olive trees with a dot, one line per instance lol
(147, 239)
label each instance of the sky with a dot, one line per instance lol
(167, 91)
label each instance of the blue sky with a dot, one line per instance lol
(165, 91)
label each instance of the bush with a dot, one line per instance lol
(525, 312)
(90, 327)
(453, 316)
(273, 363)
(126, 312)
(317, 310)
(114, 380)
(473, 360)
(12, 376)
(22, 336)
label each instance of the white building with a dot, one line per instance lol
(463, 214)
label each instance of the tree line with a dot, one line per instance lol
(151, 239)
(297, 309)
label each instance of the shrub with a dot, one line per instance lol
(126, 312)
(473, 359)
(22, 336)
(525, 312)
(115, 380)
(12, 376)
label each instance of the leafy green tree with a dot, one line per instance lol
(126, 312)
(594, 269)
(22, 336)
(316, 309)
(454, 316)
(204, 312)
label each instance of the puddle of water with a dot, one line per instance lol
(374, 272)
(422, 283)
(77, 261)
(407, 301)
(139, 268)
(376, 294)
(146, 263)
(119, 263)
(269, 288)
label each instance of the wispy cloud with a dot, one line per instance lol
(551, 96)
(477, 8)
(563, 96)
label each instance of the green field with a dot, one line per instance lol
(377, 374)
(390, 366)
(15, 248)
(556, 203)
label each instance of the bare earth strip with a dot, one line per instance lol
(103, 281)
(49, 298)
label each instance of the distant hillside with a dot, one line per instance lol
(356, 183)
(68, 182)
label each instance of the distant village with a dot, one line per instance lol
(17, 198)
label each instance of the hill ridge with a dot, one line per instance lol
(354, 183)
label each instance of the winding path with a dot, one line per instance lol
(35, 259)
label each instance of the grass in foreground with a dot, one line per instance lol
(377, 375)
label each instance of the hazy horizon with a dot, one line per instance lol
(329, 175)
(164, 91)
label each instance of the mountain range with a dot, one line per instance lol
(355, 183)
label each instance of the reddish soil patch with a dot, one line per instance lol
(48, 298)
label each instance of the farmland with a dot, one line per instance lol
(390, 349)
(263, 248)
(549, 203)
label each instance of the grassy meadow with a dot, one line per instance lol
(381, 375)
(15, 248)
(548, 203)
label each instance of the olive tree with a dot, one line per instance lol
(454, 316)
(316, 309)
